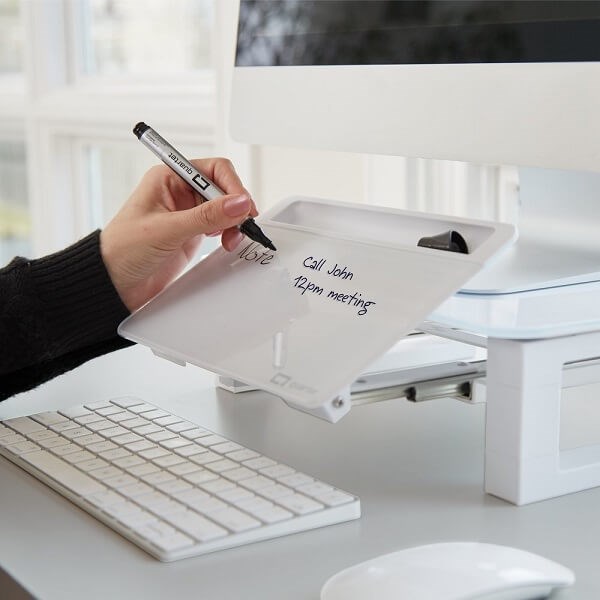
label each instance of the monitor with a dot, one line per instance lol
(484, 81)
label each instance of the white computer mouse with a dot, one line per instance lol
(450, 571)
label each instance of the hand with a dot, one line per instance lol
(157, 231)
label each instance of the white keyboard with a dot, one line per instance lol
(173, 488)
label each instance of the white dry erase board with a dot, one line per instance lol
(346, 283)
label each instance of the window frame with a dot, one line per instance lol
(57, 111)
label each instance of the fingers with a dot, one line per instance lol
(222, 172)
(220, 214)
(231, 238)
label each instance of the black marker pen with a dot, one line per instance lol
(202, 184)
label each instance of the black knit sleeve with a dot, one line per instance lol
(56, 312)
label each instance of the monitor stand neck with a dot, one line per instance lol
(558, 243)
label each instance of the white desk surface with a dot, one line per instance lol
(418, 470)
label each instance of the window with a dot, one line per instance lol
(15, 221)
(90, 70)
(119, 37)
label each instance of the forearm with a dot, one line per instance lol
(56, 312)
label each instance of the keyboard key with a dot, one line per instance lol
(211, 440)
(315, 488)
(152, 500)
(168, 420)
(197, 526)
(226, 447)
(136, 422)
(296, 480)
(122, 509)
(20, 448)
(42, 434)
(205, 457)
(208, 505)
(106, 473)
(88, 440)
(121, 416)
(156, 413)
(184, 468)
(24, 425)
(200, 476)
(143, 469)
(189, 450)
(242, 455)
(51, 442)
(112, 432)
(100, 425)
(65, 449)
(299, 504)
(74, 411)
(109, 410)
(49, 418)
(128, 461)
(257, 483)
(234, 494)
(62, 472)
(177, 541)
(158, 477)
(126, 401)
(135, 489)
(153, 453)
(191, 497)
(146, 428)
(63, 426)
(76, 457)
(235, 520)
(127, 438)
(119, 481)
(72, 434)
(142, 445)
(217, 485)
(168, 460)
(141, 408)
(277, 471)
(90, 465)
(334, 498)
(168, 508)
(161, 435)
(135, 520)
(181, 426)
(192, 434)
(105, 498)
(272, 514)
(101, 446)
(158, 529)
(97, 405)
(114, 454)
(173, 486)
(239, 474)
(274, 492)
(176, 442)
(254, 503)
(219, 466)
(87, 419)
(259, 463)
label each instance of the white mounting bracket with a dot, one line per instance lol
(523, 459)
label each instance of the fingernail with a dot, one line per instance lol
(234, 242)
(236, 206)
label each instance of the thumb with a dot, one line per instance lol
(211, 216)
